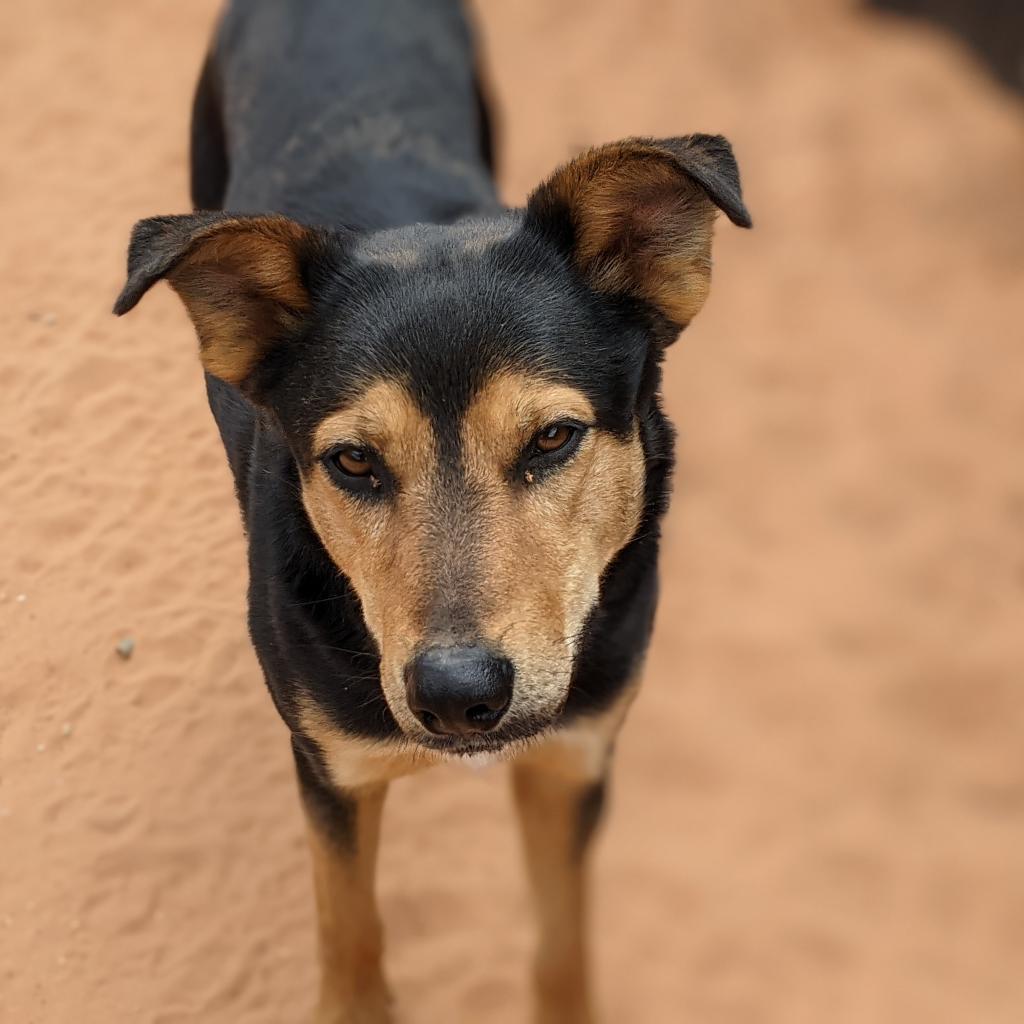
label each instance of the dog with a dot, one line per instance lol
(444, 425)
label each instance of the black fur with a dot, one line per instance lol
(589, 812)
(335, 811)
(208, 142)
(368, 120)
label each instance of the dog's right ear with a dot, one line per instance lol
(241, 280)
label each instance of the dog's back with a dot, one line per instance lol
(362, 112)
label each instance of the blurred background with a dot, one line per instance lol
(818, 808)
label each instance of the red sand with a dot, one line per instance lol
(819, 800)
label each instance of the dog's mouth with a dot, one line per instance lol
(503, 742)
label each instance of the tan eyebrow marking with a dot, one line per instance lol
(513, 407)
(387, 418)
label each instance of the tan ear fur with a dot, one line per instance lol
(240, 279)
(641, 214)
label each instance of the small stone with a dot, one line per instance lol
(40, 747)
(21, 598)
(49, 319)
(65, 729)
(126, 647)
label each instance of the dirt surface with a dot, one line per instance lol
(819, 797)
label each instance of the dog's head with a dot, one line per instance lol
(465, 405)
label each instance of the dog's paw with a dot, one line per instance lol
(373, 1008)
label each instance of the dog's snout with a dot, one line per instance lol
(459, 690)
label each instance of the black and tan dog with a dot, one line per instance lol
(442, 417)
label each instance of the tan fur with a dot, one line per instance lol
(643, 226)
(353, 761)
(548, 783)
(547, 543)
(549, 778)
(537, 550)
(352, 985)
(379, 547)
(241, 284)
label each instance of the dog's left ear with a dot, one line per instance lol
(636, 217)
(241, 280)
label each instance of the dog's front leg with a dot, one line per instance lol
(343, 828)
(559, 794)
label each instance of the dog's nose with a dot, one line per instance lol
(459, 690)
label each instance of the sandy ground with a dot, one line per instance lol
(819, 801)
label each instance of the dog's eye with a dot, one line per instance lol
(356, 470)
(352, 462)
(554, 437)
